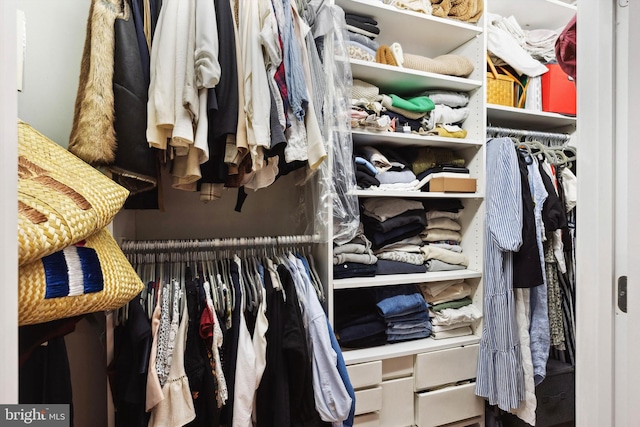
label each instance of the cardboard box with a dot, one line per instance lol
(558, 91)
(453, 185)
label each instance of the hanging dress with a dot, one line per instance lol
(176, 409)
(500, 375)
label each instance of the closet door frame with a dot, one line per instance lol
(627, 249)
(608, 247)
(8, 191)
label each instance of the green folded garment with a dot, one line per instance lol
(418, 104)
(452, 304)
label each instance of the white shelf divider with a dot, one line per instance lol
(399, 139)
(404, 279)
(417, 194)
(405, 81)
(499, 115)
(407, 348)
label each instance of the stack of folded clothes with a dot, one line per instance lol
(388, 167)
(452, 311)
(357, 320)
(405, 312)
(355, 258)
(388, 220)
(448, 114)
(441, 236)
(362, 31)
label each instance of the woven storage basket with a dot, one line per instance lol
(501, 87)
(61, 199)
(120, 283)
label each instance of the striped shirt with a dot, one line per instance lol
(500, 375)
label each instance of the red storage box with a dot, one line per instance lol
(558, 91)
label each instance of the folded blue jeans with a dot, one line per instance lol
(401, 304)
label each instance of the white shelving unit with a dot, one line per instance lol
(500, 115)
(402, 368)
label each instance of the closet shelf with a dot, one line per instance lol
(416, 194)
(408, 348)
(405, 81)
(536, 14)
(498, 115)
(418, 33)
(404, 279)
(397, 139)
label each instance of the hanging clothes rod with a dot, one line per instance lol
(551, 137)
(150, 246)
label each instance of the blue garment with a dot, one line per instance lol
(420, 316)
(294, 75)
(539, 327)
(367, 163)
(342, 370)
(415, 336)
(401, 304)
(332, 399)
(500, 377)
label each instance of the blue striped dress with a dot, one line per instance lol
(500, 377)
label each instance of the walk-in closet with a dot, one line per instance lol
(327, 212)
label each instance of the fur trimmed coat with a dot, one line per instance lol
(93, 137)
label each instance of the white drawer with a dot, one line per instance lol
(445, 366)
(368, 400)
(397, 403)
(367, 420)
(447, 405)
(397, 367)
(365, 374)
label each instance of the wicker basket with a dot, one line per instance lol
(52, 288)
(502, 87)
(61, 199)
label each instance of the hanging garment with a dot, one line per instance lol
(272, 400)
(500, 376)
(198, 367)
(297, 356)
(135, 165)
(527, 270)
(527, 409)
(154, 389)
(176, 409)
(131, 362)
(331, 398)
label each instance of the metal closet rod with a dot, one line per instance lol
(150, 246)
(547, 136)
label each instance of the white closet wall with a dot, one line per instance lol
(8, 226)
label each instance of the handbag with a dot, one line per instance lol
(93, 275)
(504, 88)
(61, 199)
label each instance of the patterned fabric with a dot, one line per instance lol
(72, 271)
(162, 367)
(556, 325)
(500, 375)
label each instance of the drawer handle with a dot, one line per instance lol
(559, 396)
